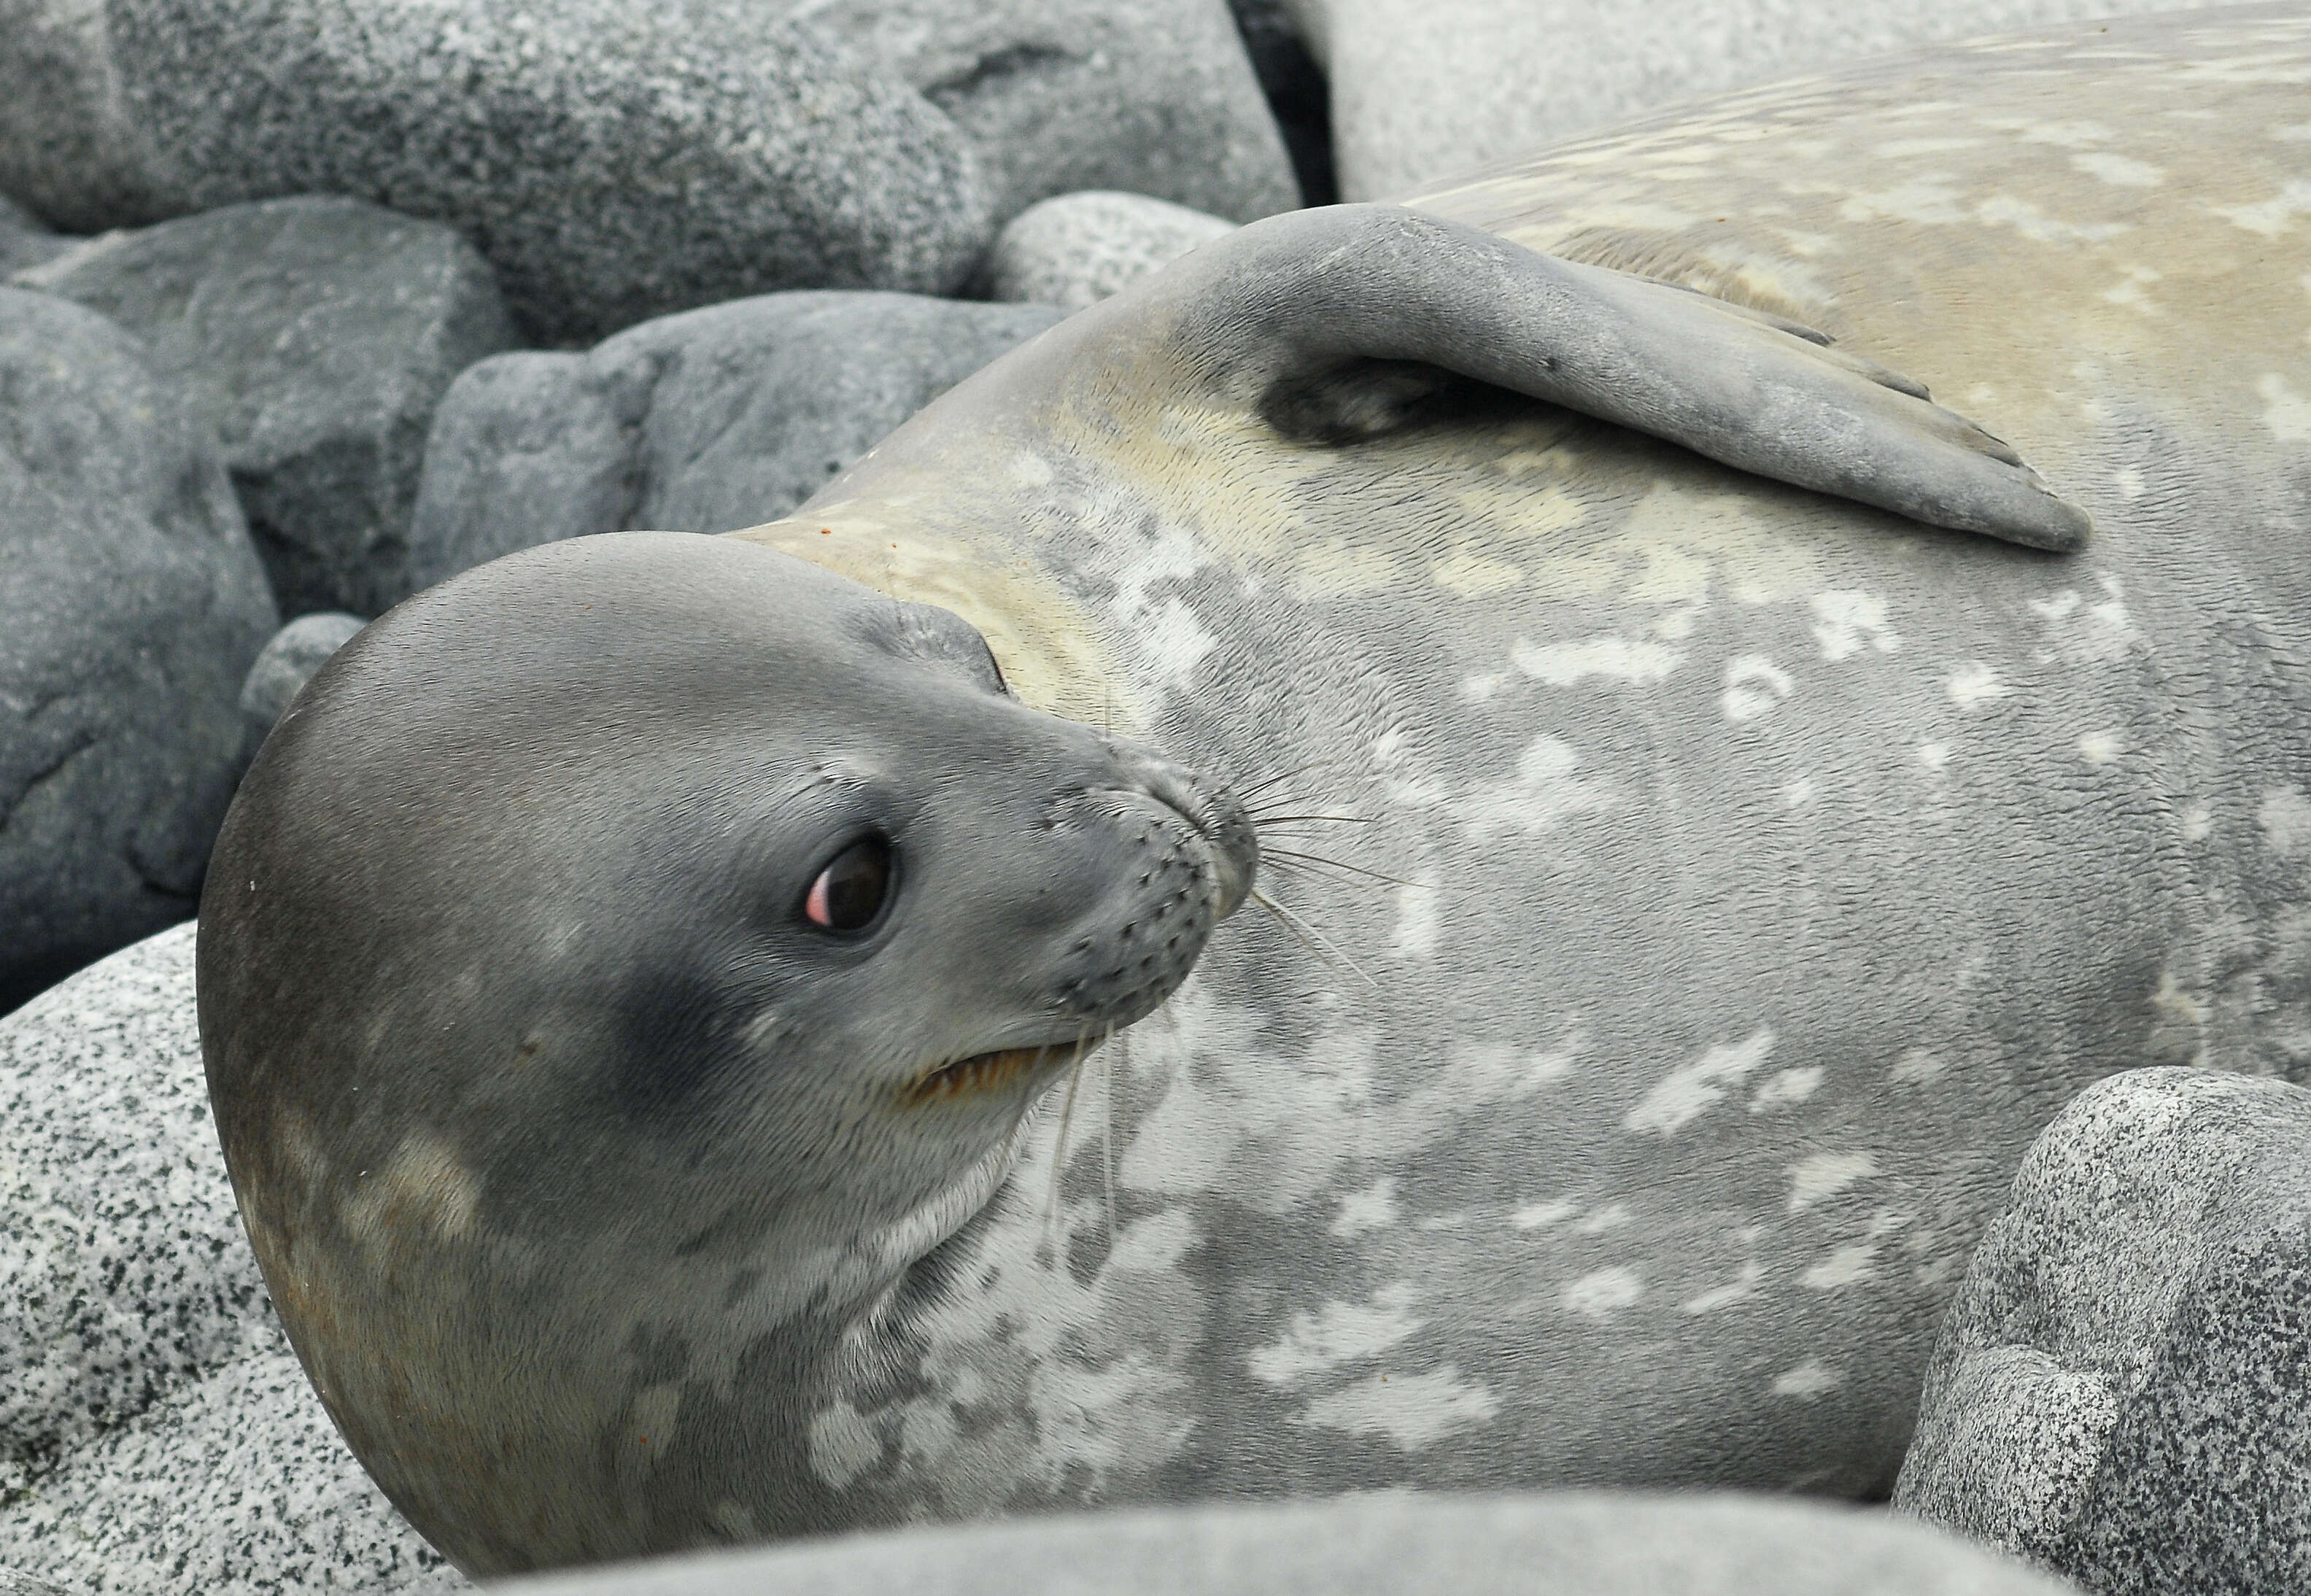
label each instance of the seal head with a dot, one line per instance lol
(594, 997)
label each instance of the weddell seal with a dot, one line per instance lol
(626, 973)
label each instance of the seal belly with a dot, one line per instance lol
(1767, 871)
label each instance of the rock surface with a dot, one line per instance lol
(1564, 1543)
(12, 1583)
(1423, 89)
(706, 422)
(1153, 96)
(2123, 1390)
(319, 334)
(25, 240)
(614, 162)
(130, 606)
(156, 1434)
(1078, 249)
(286, 664)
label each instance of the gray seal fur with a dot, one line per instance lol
(1766, 869)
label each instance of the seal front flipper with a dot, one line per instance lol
(1281, 310)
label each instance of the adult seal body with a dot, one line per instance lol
(1764, 867)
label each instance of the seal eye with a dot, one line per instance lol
(848, 893)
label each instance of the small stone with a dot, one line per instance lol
(613, 162)
(319, 334)
(286, 664)
(131, 606)
(2123, 1390)
(1150, 96)
(1078, 249)
(1425, 90)
(706, 422)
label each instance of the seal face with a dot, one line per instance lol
(598, 931)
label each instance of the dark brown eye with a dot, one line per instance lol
(849, 892)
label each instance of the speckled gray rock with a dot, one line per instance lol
(706, 422)
(1153, 96)
(1077, 250)
(25, 240)
(1563, 1544)
(613, 162)
(1423, 89)
(12, 1583)
(130, 606)
(156, 1436)
(234, 1485)
(2123, 1390)
(319, 334)
(123, 1271)
(296, 651)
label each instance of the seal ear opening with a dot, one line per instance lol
(1359, 400)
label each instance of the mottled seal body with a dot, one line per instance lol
(1777, 869)
(1761, 870)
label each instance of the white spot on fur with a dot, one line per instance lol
(1808, 1380)
(1738, 1290)
(2285, 412)
(1933, 755)
(2101, 747)
(1373, 1208)
(2129, 291)
(2128, 480)
(1823, 1175)
(1538, 1216)
(1481, 689)
(1848, 1266)
(1915, 1068)
(1172, 641)
(2119, 169)
(1603, 1293)
(1414, 1411)
(1544, 794)
(1686, 1093)
(2004, 210)
(2275, 215)
(1791, 1086)
(1337, 1333)
(1754, 686)
(1928, 202)
(2284, 818)
(1416, 922)
(842, 1444)
(2083, 631)
(1613, 1216)
(1974, 682)
(1847, 621)
(1798, 793)
(1617, 658)
(2197, 823)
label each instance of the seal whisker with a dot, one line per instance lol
(1311, 939)
(1051, 1223)
(1335, 864)
(1265, 783)
(1262, 818)
(1107, 1137)
(1304, 872)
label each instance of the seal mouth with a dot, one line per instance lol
(977, 1075)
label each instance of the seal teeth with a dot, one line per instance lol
(982, 1072)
